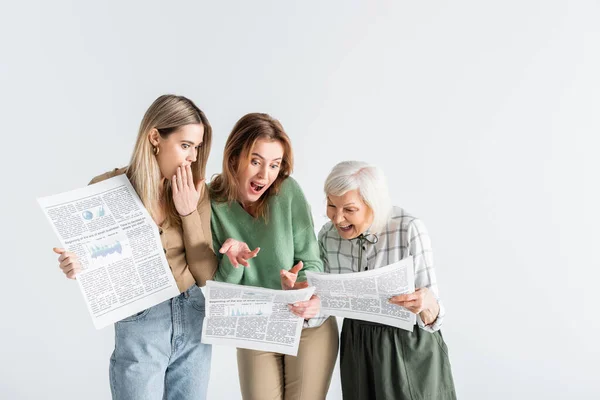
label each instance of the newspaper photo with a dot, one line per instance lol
(124, 268)
(253, 318)
(365, 295)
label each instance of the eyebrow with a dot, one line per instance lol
(262, 158)
(347, 204)
(190, 142)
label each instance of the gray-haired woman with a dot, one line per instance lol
(365, 232)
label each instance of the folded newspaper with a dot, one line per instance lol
(365, 295)
(252, 317)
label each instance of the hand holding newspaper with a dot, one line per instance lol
(124, 268)
(365, 295)
(252, 317)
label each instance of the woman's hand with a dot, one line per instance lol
(288, 278)
(238, 252)
(68, 262)
(186, 195)
(306, 309)
(421, 302)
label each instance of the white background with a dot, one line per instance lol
(484, 115)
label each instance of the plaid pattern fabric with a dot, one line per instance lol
(404, 236)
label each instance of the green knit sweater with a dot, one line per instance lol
(287, 237)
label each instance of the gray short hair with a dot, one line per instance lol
(371, 184)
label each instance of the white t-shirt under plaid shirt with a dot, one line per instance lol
(404, 236)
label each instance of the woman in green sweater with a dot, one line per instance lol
(255, 204)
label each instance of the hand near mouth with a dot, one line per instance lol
(186, 194)
(238, 252)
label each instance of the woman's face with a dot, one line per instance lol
(179, 149)
(350, 215)
(260, 173)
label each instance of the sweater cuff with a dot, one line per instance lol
(191, 221)
(437, 324)
(315, 321)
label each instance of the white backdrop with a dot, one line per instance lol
(484, 116)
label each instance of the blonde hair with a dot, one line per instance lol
(238, 149)
(167, 114)
(370, 182)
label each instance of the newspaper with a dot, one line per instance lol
(253, 318)
(364, 295)
(124, 269)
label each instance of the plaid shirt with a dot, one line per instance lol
(404, 236)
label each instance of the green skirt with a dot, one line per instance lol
(382, 362)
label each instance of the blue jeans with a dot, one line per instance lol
(158, 354)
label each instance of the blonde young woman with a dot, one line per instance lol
(257, 203)
(158, 354)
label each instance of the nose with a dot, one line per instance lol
(193, 156)
(262, 171)
(338, 217)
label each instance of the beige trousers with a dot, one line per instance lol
(275, 376)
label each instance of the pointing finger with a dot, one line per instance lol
(297, 267)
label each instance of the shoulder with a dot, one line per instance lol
(401, 220)
(109, 174)
(290, 195)
(399, 217)
(289, 188)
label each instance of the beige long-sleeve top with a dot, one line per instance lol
(188, 248)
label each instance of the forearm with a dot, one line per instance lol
(432, 315)
(310, 265)
(197, 240)
(228, 273)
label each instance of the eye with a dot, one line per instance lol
(185, 146)
(275, 166)
(330, 205)
(254, 162)
(350, 211)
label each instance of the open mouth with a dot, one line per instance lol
(345, 228)
(256, 188)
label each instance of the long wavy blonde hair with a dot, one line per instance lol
(167, 114)
(238, 149)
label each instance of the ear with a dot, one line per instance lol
(153, 137)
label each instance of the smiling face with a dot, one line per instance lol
(179, 148)
(350, 215)
(263, 168)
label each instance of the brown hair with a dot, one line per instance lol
(167, 114)
(237, 154)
